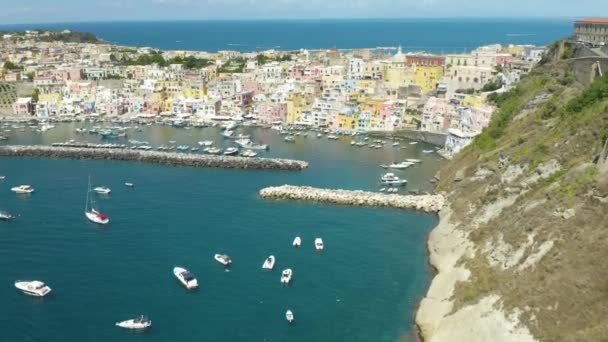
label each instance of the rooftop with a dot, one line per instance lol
(594, 20)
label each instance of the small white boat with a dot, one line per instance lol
(102, 190)
(414, 161)
(129, 185)
(332, 137)
(269, 263)
(400, 166)
(396, 144)
(382, 189)
(23, 189)
(413, 143)
(223, 259)
(185, 277)
(141, 322)
(248, 154)
(33, 288)
(286, 276)
(392, 179)
(319, 135)
(428, 151)
(230, 151)
(289, 138)
(2, 177)
(6, 216)
(212, 150)
(352, 143)
(205, 143)
(319, 244)
(289, 316)
(297, 242)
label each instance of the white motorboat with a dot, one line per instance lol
(297, 242)
(23, 189)
(414, 161)
(223, 259)
(33, 288)
(319, 244)
(332, 137)
(92, 214)
(392, 179)
(352, 143)
(228, 134)
(396, 144)
(286, 276)
(382, 189)
(205, 143)
(289, 316)
(269, 263)
(212, 150)
(413, 143)
(129, 185)
(141, 322)
(428, 151)
(185, 277)
(102, 190)
(6, 216)
(248, 154)
(2, 177)
(290, 139)
(319, 135)
(230, 151)
(400, 166)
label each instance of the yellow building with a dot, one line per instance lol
(296, 103)
(51, 97)
(472, 101)
(347, 122)
(427, 77)
(514, 50)
(372, 106)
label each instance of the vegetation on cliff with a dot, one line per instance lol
(531, 195)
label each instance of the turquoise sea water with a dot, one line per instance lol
(363, 287)
(435, 35)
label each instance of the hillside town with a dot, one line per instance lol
(362, 90)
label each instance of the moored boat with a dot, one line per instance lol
(269, 263)
(400, 166)
(141, 322)
(223, 259)
(297, 242)
(319, 244)
(102, 190)
(392, 179)
(289, 316)
(230, 151)
(34, 288)
(23, 189)
(286, 276)
(6, 216)
(185, 277)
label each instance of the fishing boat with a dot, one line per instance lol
(289, 316)
(185, 277)
(230, 151)
(319, 244)
(269, 263)
(141, 322)
(23, 189)
(93, 215)
(391, 179)
(223, 259)
(286, 276)
(297, 242)
(34, 288)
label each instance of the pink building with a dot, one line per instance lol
(268, 112)
(504, 59)
(23, 106)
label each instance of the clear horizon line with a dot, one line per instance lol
(290, 19)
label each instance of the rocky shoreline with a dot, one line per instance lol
(426, 203)
(153, 157)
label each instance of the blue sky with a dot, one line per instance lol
(39, 11)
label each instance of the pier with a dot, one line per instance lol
(426, 203)
(153, 157)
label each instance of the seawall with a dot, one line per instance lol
(153, 157)
(426, 203)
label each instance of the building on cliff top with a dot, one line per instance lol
(592, 30)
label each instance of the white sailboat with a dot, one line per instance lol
(92, 214)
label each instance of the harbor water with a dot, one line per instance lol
(364, 286)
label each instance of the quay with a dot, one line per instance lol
(426, 203)
(153, 157)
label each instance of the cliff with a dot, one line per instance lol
(521, 250)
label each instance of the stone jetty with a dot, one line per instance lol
(426, 203)
(153, 157)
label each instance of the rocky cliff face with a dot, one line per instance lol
(521, 250)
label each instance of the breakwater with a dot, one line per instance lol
(153, 157)
(426, 203)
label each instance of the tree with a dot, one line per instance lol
(30, 75)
